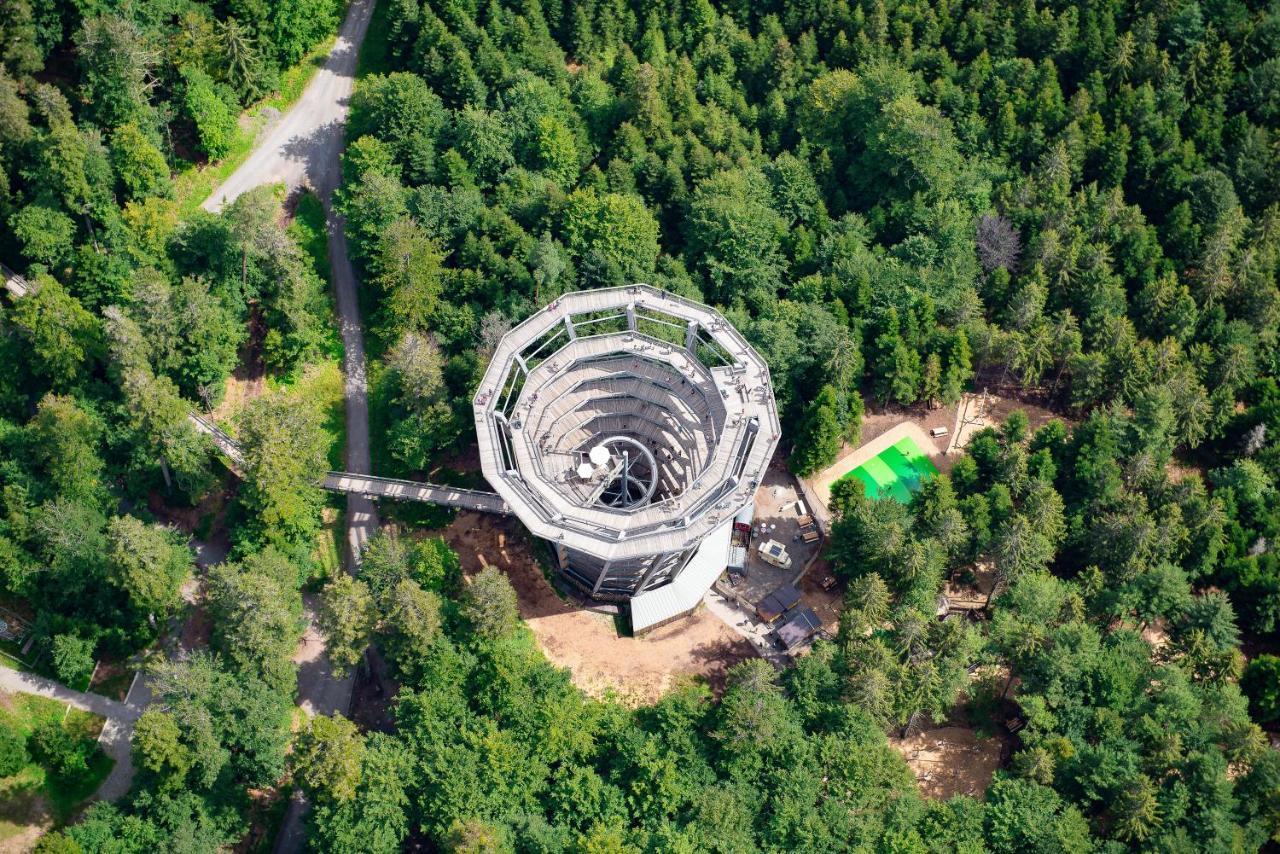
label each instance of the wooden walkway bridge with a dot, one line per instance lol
(368, 485)
(13, 283)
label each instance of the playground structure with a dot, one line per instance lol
(817, 487)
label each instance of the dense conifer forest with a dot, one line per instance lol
(1074, 204)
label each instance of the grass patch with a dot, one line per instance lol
(374, 58)
(896, 472)
(319, 386)
(327, 558)
(295, 78)
(33, 794)
(379, 402)
(11, 656)
(114, 680)
(414, 514)
(308, 228)
(195, 182)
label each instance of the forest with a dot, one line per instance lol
(1073, 204)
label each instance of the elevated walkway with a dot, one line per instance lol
(13, 283)
(413, 490)
(369, 486)
(221, 440)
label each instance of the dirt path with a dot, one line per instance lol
(600, 660)
(320, 690)
(362, 516)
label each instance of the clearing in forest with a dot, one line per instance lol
(896, 472)
(33, 799)
(600, 659)
(951, 760)
(891, 464)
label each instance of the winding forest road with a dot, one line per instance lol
(305, 150)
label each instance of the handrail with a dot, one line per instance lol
(414, 490)
(386, 487)
(16, 285)
(221, 439)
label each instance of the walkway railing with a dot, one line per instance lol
(373, 487)
(413, 490)
(13, 283)
(224, 443)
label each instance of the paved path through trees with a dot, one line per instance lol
(304, 149)
(305, 146)
(116, 732)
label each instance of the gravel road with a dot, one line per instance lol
(305, 146)
(305, 150)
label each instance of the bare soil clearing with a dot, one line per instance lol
(825, 603)
(971, 590)
(24, 818)
(602, 662)
(879, 421)
(951, 760)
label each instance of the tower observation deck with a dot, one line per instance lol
(627, 427)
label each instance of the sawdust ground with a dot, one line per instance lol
(602, 660)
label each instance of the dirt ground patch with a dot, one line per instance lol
(1037, 413)
(825, 603)
(249, 380)
(879, 420)
(112, 679)
(212, 507)
(1157, 634)
(197, 631)
(24, 818)
(951, 760)
(239, 391)
(970, 590)
(600, 659)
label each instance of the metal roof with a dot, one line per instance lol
(799, 627)
(682, 595)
